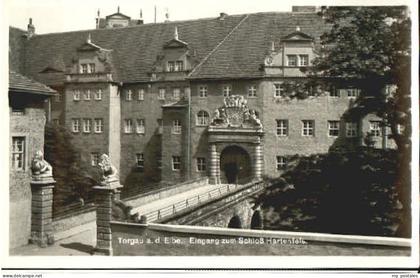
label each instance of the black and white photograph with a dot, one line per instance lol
(217, 130)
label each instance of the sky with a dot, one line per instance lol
(69, 15)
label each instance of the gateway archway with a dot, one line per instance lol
(235, 165)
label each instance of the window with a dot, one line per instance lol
(375, 128)
(159, 161)
(308, 127)
(303, 60)
(281, 163)
(227, 90)
(92, 68)
(351, 129)
(179, 65)
(18, 153)
(176, 127)
(76, 95)
(292, 60)
(141, 94)
(202, 91)
(129, 95)
(94, 159)
(18, 111)
(86, 94)
(98, 125)
(333, 128)
(202, 118)
(252, 91)
(140, 126)
(334, 92)
(161, 93)
(160, 126)
(171, 66)
(282, 127)
(278, 90)
(87, 123)
(140, 161)
(84, 68)
(128, 126)
(176, 163)
(201, 164)
(98, 94)
(352, 93)
(176, 93)
(57, 97)
(75, 125)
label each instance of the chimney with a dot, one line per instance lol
(167, 15)
(118, 9)
(222, 16)
(140, 20)
(97, 19)
(31, 29)
(304, 9)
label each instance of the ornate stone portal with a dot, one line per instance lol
(234, 124)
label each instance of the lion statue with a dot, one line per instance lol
(40, 167)
(108, 170)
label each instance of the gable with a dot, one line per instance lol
(298, 36)
(174, 43)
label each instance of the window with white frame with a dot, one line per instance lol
(201, 164)
(76, 95)
(140, 129)
(202, 91)
(128, 126)
(141, 94)
(98, 125)
(308, 127)
(92, 68)
(252, 91)
(279, 89)
(161, 93)
(352, 93)
(171, 66)
(160, 126)
(87, 124)
(86, 94)
(94, 159)
(98, 94)
(140, 161)
(129, 95)
(176, 163)
(179, 65)
(303, 60)
(176, 127)
(375, 128)
(83, 68)
(333, 128)
(334, 92)
(202, 118)
(176, 93)
(282, 128)
(292, 60)
(351, 129)
(75, 125)
(281, 162)
(18, 153)
(227, 90)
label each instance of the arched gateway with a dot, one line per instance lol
(235, 143)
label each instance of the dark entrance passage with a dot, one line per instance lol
(235, 165)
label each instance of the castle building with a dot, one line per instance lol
(183, 100)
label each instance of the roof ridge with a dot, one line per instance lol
(218, 45)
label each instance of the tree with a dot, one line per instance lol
(369, 48)
(74, 185)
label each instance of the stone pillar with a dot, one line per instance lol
(41, 218)
(258, 162)
(214, 165)
(105, 194)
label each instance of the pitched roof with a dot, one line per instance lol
(232, 47)
(20, 83)
(16, 49)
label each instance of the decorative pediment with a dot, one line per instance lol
(88, 45)
(235, 113)
(298, 36)
(117, 16)
(175, 42)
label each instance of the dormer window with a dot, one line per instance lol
(179, 65)
(84, 68)
(303, 60)
(292, 60)
(171, 66)
(92, 68)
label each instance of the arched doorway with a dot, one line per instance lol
(235, 222)
(235, 165)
